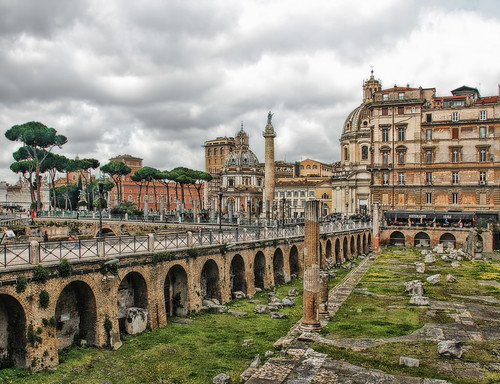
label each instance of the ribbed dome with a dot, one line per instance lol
(357, 120)
(241, 158)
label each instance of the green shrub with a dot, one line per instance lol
(44, 299)
(21, 284)
(40, 274)
(193, 252)
(65, 268)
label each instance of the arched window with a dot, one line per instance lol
(364, 152)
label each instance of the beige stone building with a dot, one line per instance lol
(406, 148)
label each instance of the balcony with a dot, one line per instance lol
(379, 166)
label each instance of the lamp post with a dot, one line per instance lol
(283, 212)
(100, 187)
(220, 210)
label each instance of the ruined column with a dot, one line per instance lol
(269, 182)
(324, 277)
(375, 228)
(310, 320)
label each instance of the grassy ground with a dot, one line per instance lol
(379, 308)
(177, 353)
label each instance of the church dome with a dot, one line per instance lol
(357, 120)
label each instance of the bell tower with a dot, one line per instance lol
(370, 86)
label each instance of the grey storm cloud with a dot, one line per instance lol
(156, 79)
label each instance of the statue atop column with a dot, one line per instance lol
(269, 117)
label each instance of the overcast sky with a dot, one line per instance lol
(157, 78)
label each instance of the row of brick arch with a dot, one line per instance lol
(80, 304)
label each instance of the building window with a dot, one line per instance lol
(401, 110)
(482, 132)
(295, 193)
(230, 182)
(428, 134)
(454, 133)
(346, 154)
(413, 110)
(385, 97)
(401, 157)
(455, 116)
(401, 134)
(385, 134)
(455, 178)
(311, 193)
(428, 156)
(209, 152)
(428, 198)
(215, 151)
(482, 155)
(455, 155)
(222, 151)
(364, 152)
(401, 96)
(301, 167)
(428, 117)
(308, 167)
(385, 111)
(482, 177)
(315, 167)
(385, 158)
(302, 193)
(454, 198)
(482, 115)
(428, 178)
(385, 178)
(401, 178)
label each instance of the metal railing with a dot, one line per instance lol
(25, 254)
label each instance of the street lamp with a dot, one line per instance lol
(220, 210)
(100, 187)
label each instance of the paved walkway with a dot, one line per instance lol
(300, 364)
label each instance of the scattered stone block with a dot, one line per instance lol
(221, 378)
(256, 362)
(288, 301)
(268, 354)
(275, 306)
(415, 288)
(424, 252)
(420, 267)
(445, 258)
(278, 315)
(430, 258)
(293, 292)
(218, 309)
(409, 361)
(136, 320)
(257, 290)
(434, 279)
(262, 309)
(451, 348)
(419, 300)
(456, 264)
(115, 340)
(450, 278)
(247, 342)
(359, 310)
(236, 313)
(239, 295)
(439, 248)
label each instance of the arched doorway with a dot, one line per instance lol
(175, 292)
(294, 262)
(329, 250)
(76, 315)
(322, 257)
(448, 240)
(132, 292)
(259, 270)
(12, 333)
(352, 248)
(344, 246)
(358, 245)
(210, 281)
(397, 238)
(365, 248)
(422, 239)
(279, 273)
(237, 274)
(338, 259)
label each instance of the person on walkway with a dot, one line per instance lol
(45, 237)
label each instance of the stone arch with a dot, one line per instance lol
(293, 261)
(448, 240)
(106, 231)
(12, 332)
(322, 257)
(369, 241)
(210, 281)
(338, 258)
(76, 315)
(259, 270)
(358, 245)
(352, 248)
(345, 250)
(237, 274)
(278, 270)
(365, 248)
(422, 239)
(397, 238)
(328, 252)
(132, 292)
(175, 291)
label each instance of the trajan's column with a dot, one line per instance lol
(269, 136)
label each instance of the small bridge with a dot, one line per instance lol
(167, 274)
